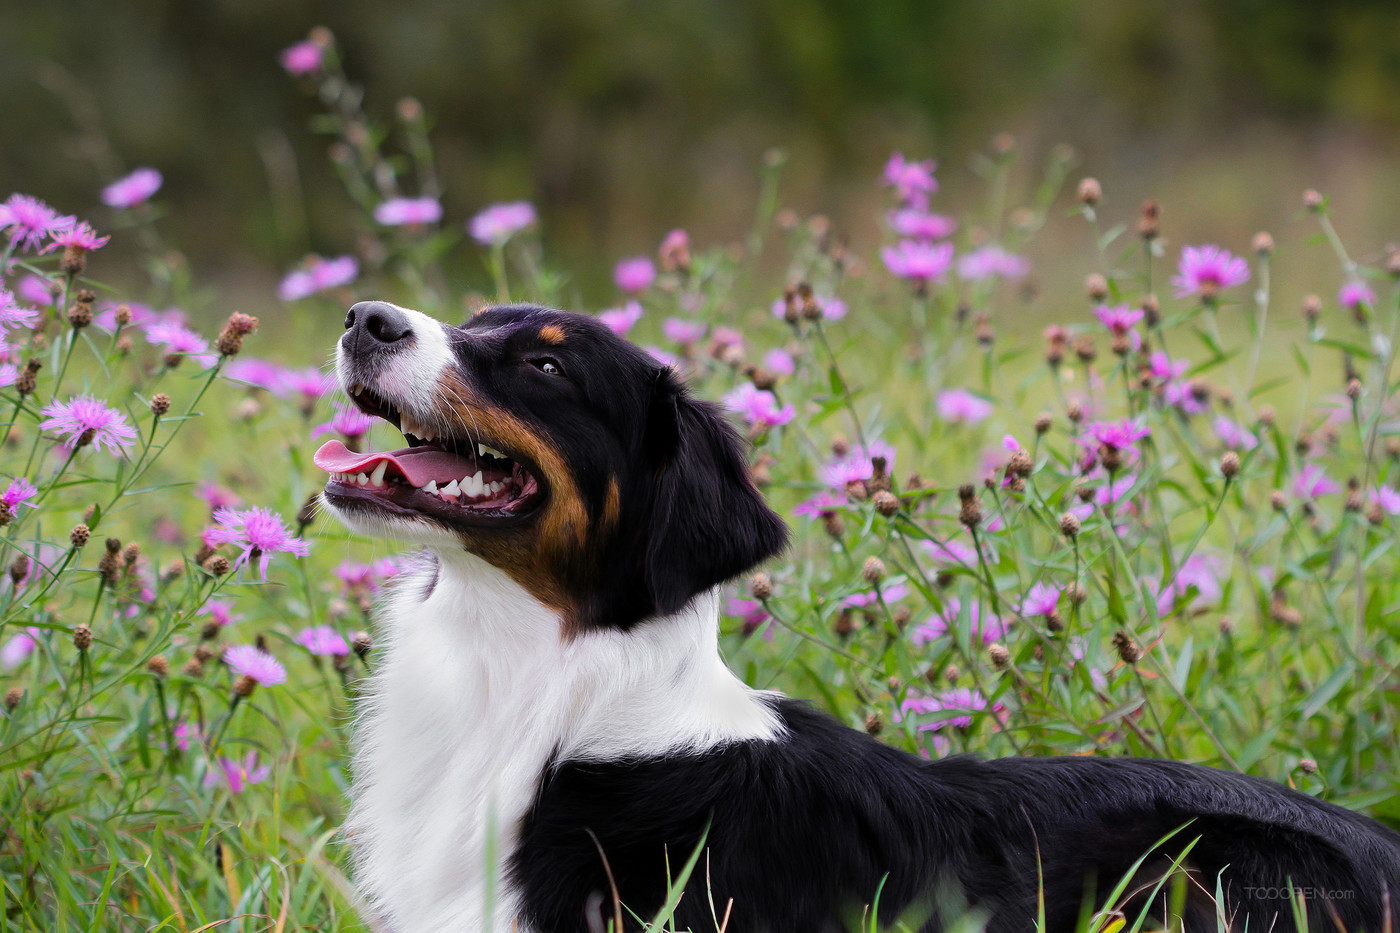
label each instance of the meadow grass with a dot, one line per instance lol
(1163, 527)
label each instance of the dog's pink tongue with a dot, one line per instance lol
(419, 465)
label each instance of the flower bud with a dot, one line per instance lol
(873, 570)
(82, 638)
(1128, 649)
(999, 656)
(761, 587)
(158, 665)
(1230, 464)
(160, 404)
(79, 536)
(1096, 286)
(1263, 244)
(1090, 191)
(1069, 525)
(1313, 200)
(885, 502)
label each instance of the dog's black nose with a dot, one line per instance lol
(378, 321)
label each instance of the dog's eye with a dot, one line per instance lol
(546, 365)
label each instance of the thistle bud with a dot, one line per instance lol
(1152, 311)
(1278, 500)
(1313, 200)
(27, 381)
(1230, 464)
(160, 404)
(885, 502)
(1149, 221)
(218, 565)
(79, 536)
(82, 638)
(194, 668)
(239, 325)
(1266, 416)
(7, 514)
(1353, 389)
(80, 315)
(361, 643)
(158, 665)
(873, 570)
(1069, 525)
(19, 569)
(1090, 191)
(244, 686)
(1128, 649)
(1076, 593)
(13, 697)
(873, 725)
(999, 656)
(1084, 349)
(832, 524)
(1307, 765)
(122, 315)
(1020, 463)
(761, 587)
(970, 513)
(1263, 244)
(1096, 286)
(1042, 423)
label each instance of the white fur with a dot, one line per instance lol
(474, 688)
(411, 376)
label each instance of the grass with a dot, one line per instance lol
(1212, 599)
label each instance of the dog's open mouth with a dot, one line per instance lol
(448, 479)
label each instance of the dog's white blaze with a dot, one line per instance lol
(410, 377)
(473, 690)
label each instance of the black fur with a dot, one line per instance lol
(803, 830)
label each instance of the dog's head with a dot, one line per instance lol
(555, 450)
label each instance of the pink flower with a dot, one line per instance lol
(258, 373)
(759, 407)
(913, 181)
(918, 262)
(1119, 319)
(988, 628)
(960, 406)
(13, 314)
(259, 532)
(310, 383)
(186, 734)
(499, 222)
(18, 492)
(950, 552)
(623, 319)
(919, 225)
(30, 220)
(664, 357)
(132, 190)
(318, 275)
(351, 422)
(831, 307)
(251, 661)
(302, 58)
(634, 275)
(779, 362)
(365, 578)
(752, 614)
(682, 331)
(1387, 498)
(1354, 294)
(84, 420)
(219, 611)
(412, 212)
(991, 261)
(1234, 435)
(81, 238)
(1205, 270)
(1041, 600)
(18, 647)
(179, 340)
(35, 290)
(1312, 482)
(323, 641)
(956, 707)
(857, 464)
(819, 504)
(1119, 435)
(217, 497)
(891, 593)
(237, 774)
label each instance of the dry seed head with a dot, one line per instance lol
(1075, 411)
(210, 631)
(1149, 220)
(1353, 389)
(1278, 500)
(79, 536)
(1043, 422)
(218, 565)
(873, 725)
(873, 571)
(832, 525)
(1128, 649)
(80, 315)
(244, 686)
(362, 643)
(1055, 622)
(158, 665)
(1375, 514)
(160, 404)
(19, 569)
(1069, 525)
(208, 652)
(1000, 657)
(1353, 500)
(901, 616)
(123, 315)
(886, 503)
(761, 587)
(1230, 464)
(7, 514)
(82, 638)
(13, 696)
(1020, 463)
(193, 668)
(1090, 191)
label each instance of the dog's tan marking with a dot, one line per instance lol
(612, 506)
(552, 334)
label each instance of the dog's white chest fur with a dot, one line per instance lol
(474, 691)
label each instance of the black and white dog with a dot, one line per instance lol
(550, 699)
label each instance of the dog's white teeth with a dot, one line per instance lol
(451, 490)
(485, 451)
(472, 485)
(377, 477)
(496, 487)
(357, 388)
(431, 487)
(362, 479)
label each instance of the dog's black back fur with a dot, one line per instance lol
(802, 832)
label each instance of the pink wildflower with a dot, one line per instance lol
(237, 773)
(913, 181)
(623, 319)
(132, 190)
(30, 220)
(752, 614)
(499, 222)
(216, 496)
(1119, 435)
(251, 661)
(13, 314)
(84, 420)
(857, 464)
(18, 492)
(1355, 294)
(951, 552)
(1387, 498)
(318, 275)
(990, 261)
(258, 373)
(259, 532)
(1205, 270)
(918, 262)
(779, 362)
(302, 58)
(889, 593)
(1119, 319)
(36, 290)
(310, 383)
(822, 502)
(18, 647)
(919, 225)
(758, 407)
(985, 627)
(410, 212)
(1234, 435)
(219, 611)
(1313, 482)
(959, 406)
(80, 237)
(1041, 600)
(634, 275)
(323, 641)
(956, 707)
(351, 422)
(179, 340)
(682, 331)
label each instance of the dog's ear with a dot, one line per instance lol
(709, 522)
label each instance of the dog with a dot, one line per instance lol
(549, 696)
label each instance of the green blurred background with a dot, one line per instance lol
(621, 120)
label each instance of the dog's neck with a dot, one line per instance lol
(476, 690)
